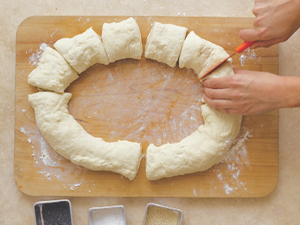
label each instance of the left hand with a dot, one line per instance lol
(245, 92)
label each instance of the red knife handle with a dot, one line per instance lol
(244, 46)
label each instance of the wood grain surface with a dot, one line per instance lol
(143, 101)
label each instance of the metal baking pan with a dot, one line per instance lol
(107, 215)
(57, 212)
(179, 213)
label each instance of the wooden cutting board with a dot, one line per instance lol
(143, 101)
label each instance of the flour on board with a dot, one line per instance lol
(34, 58)
(248, 55)
(235, 159)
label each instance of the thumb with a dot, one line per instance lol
(239, 71)
(249, 35)
(267, 43)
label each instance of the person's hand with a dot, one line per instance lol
(275, 22)
(248, 92)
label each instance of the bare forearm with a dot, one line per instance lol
(291, 85)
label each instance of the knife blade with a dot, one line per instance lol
(239, 49)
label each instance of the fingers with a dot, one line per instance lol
(225, 105)
(216, 93)
(217, 103)
(222, 105)
(250, 35)
(230, 111)
(221, 82)
(260, 41)
(267, 43)
(239, 71)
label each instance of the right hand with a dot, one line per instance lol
(248, 92)
(275, 22)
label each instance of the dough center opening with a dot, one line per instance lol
(137, 100)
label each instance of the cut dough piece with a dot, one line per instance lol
(197, 152)
(69, 139)
(164, 43)
(211, 141)
(53, 72)
(122, 40)
(83, 50)
(201, 55)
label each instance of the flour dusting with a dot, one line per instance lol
(34, 58)
(248, 55)
(45, 174)
(228, 189)
(238, 145)
(45, 157)
(75, 186)
(194, 192)
(47, 161)
(22, 129)
(231, 166)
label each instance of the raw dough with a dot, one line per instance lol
(197, 152)
(83, 50)
(122, 40)
(210, 142)
(201, 55)
(70, 140)
(53, 72)
(164, 43)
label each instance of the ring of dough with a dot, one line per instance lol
(197, 152)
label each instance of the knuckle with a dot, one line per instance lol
(235, 80)
(255, 11)
(235, 112)
(233, 95)
(206, 99)
(209, 93)
(227, 111)
(263, 33)
(208, 83)
(212, 95)
(215, 104)
(211, 83)
(243, 109)
(256, 22)
(240, 104)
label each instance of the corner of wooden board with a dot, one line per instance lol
(269, 190)
(21, 186)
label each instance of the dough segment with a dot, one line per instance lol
(69, 139)
(164, 43)
(83, 50)
(201, 55)
(197, 152)
(122, 40)
(211, 141)
(53, 72)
